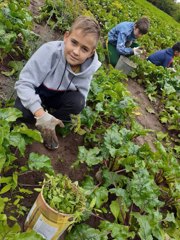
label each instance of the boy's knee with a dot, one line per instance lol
(27, 116)
(78, 103)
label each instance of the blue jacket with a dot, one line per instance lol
(121, 36)
(162, 58)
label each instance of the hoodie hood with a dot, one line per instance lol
(170, 52)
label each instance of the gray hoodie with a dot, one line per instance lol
(48, 66)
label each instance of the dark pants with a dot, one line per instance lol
(61, 105)
(114, 55)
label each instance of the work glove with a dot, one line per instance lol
(46, 124)
(137, 51)
(172, 69)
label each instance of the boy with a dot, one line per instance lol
(165, 57)
(121, 39)
(57, 78)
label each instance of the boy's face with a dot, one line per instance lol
(176, 54)
(137, 33)
(78, 46)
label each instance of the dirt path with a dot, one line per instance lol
(6, 88)
(146, 119)
(45, 33)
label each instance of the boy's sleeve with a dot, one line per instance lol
(32, 75)
(168, 62)
(121, 45)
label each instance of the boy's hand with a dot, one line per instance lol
(46, 124)
(137, 51)
(172, 69)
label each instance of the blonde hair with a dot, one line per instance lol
(87, 25)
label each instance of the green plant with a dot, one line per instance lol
(13, 141)
(60, 14)
(14, 233)
(64, 196)
(13, 136)
(15, 29)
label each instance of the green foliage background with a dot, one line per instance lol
(171, 7)
(139, 188)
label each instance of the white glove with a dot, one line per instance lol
(172, 69)
(137, 51)
(46, 124)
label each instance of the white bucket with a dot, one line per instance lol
(125, 65)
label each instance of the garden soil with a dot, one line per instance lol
(63, 158)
